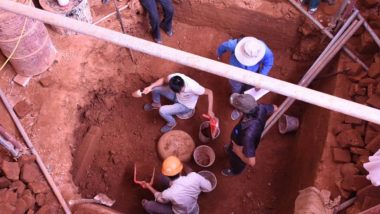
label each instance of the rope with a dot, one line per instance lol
(17, 44)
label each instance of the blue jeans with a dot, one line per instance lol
(154, 17)
(237, 165)
(167, 111)
(313, 4)
(238, 87)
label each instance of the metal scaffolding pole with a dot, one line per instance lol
(327, 33)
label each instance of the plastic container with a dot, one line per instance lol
(210, 177)
(204, 156)
(205, 132)
(287, 124)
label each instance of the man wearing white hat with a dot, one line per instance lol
(250, 54)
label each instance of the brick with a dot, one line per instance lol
(38, 187)
(349, 138)
(22, 80)
(370, 90)
(377, 89)
(359, 151)
(47, 209)
(359, 163)
(28, 197)
(21, 207)
(26, 159)
(18, 186)
(366, 81)
(368, 191)
(11, 170)
(47, 81)
(360, 129)
(7, 208)
(23, 108)
(369, 135)
(40, 199)
(374, 144)
(359, 182)
(370, 3)
(30, 173)
(374, 101)
(361, 91)
(358, 77)
(341, 155)
(348, 169)
(374, 126)
(370, 202)
(348, 183)
(352, 120)
(360, 99)
(341, 127)
(4, 182)
(374, 70)
(352, 68)
(8, 196)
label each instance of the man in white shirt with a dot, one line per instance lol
(182, 91)
(182, 195)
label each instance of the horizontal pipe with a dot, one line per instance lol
(201, 63)
(327, 33)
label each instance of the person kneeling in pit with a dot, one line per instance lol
(182, 194)
(183, 92)
(246, 135)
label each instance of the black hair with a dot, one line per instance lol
(172, 178)
(176, 84)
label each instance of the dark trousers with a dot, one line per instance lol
(154, 207)
(237, 165)
(154, 17)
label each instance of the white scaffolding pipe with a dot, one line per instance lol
(201, 63)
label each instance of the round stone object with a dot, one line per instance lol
(177, 143)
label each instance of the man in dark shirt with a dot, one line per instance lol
(246, 135)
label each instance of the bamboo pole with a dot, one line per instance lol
(327, 33)
(40, 163)
(201, 63)
(370, 31)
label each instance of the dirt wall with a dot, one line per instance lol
(259, 21)
(307, 149)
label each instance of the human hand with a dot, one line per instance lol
(211, 114)
(144, 184)
(236, 148)
(147, 90)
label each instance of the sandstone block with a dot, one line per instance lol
(374, 144)
(374, 101)
(348, 169)
(30, 173)
(11, 170)
(341, 155)
(23, 108)
(4, 182)
(38, 187)
(374, 70)
(349, 138)
(359, 151)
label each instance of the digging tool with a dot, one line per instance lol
(214, 125)
(100, 198)
(140, 182)
(118, 16)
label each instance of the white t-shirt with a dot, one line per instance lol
(183, 193)
(190, 92)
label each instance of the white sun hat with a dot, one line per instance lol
(249, 51)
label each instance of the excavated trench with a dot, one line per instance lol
(115, 132)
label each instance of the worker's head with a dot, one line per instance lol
(171, 167)
(176, 84)
(243, 102)
(249, 51)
